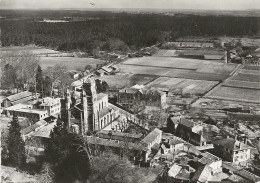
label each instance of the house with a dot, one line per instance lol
(52, 105)
(74, 74)
(142, 149)
(129, 96)
(21, 97)
(37, 110)
(100, 72)
(116, 135)
(26, 110)
(233, 151)
(153, 138)
(107, 70)
(137, 95)
(36, 141)
(191, 132)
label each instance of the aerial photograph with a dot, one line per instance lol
(130, 91)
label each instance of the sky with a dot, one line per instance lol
(143, 4)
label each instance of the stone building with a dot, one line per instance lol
(232, 150)
(92, 112)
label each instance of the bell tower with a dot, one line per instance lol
(89, 88)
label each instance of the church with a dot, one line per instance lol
(88, 113)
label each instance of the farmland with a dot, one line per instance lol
(242, 84)
(33, 49)
(70, 62)
(166, 53)
(237, 94)
(247, 77)
(174, 73)
(191, 86)
(126, 80)
(200, 66)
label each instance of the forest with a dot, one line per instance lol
(116, 31)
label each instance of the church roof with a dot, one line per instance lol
(100, 96)
(104, 112)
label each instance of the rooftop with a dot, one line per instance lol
(231, 144)
(48, 101)
(114, 143)
(151, 136)
(107, 69)
(100, 96)
(44, 131)
(122, 134)
(187, 123)
(174, 170)
(19, 96)
(33, 127)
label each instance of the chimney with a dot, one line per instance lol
(236, 137)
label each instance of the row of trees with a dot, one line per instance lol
(22, 72)
(122, 31)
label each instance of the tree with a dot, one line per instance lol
(15, 145)
(54, 74)
(63, 152)
(47, 174)
(88, 67)
(39, 79)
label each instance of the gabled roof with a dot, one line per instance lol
(122, 134)
(33, 127)
(151, 136)
(107, 69)
(19, 96)
(175, 142)
(231, 144)
(174, 170)
(186, 123)
(45, 131)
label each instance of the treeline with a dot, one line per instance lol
(134, 31)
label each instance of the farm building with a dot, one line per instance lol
(18, 98)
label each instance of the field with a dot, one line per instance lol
(34, 49)
(126, 80)
(70, 62)
(174, 73)
(234, 93)
(166, 53)
(200, 66)
(197, 87)
(247, 77)
(242, 84)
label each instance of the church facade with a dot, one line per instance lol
(91, 113)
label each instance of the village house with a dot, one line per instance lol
(191, 132)
(142, 151)
(26, 110)
(129, 96)
(36, 110)
(233, 151)
(140, 96)
(121, 136)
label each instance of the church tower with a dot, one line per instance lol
(91, 98)
(65, 109)
(84, 120)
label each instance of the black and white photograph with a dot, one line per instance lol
(130, 91)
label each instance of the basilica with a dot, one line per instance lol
(90, 111)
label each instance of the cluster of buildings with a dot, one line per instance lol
(139, 96)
